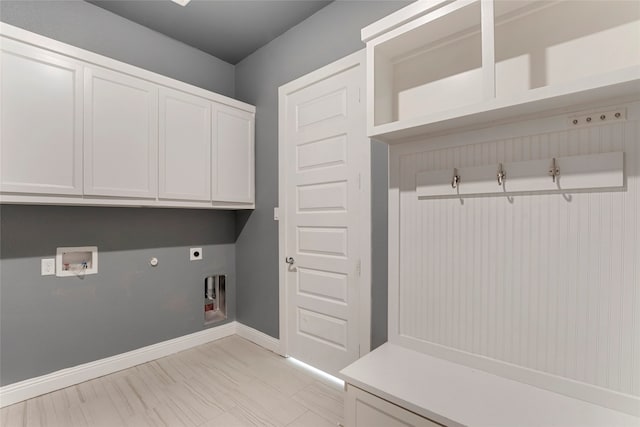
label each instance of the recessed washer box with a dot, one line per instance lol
(76, 261)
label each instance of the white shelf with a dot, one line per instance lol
(602, 89)
(455, 395)
(468, 63)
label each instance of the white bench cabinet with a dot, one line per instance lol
(363, 409)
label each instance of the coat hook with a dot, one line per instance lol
(554, 171)
(501, 174)
(456, 179)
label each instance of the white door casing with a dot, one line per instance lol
(325, 216)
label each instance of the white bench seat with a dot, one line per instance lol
(457, 395)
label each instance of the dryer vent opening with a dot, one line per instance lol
(215, 307)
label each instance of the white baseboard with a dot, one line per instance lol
(258, 337)
(27, 389)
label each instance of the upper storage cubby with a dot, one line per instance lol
(439, 66)
(435, 66)
(546, 44)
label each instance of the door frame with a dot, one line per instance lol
(364, 164)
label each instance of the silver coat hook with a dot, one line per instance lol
(501, 174)
(554, 171)
(456, 179)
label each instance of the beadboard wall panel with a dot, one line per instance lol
(547, 282)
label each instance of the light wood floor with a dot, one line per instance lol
(230, 382)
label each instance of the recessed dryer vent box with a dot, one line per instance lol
(77, 261)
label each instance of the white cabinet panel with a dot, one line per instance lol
(366, 410)
(233, 155)
(41, 124)
(121, 135)
(185, 146)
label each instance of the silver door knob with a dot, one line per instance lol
(289, 260)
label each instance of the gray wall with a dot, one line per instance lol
(328, 35)
(87, 26)
(49, 323)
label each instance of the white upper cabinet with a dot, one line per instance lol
(438, 66)
(79, 128)
(185, 146)
(120, 135)
(233, 155)
(41, 122)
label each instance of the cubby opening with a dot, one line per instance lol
(215, 304)
(552, 43)
(433, 67)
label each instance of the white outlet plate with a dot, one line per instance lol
(195, 254)
(597, 117)
(48, 266)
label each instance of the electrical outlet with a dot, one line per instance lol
(195, 254)
(48, 266)
(597, 117)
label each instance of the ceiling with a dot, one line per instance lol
(227, 29)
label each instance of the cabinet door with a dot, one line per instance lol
(233, 155)
(120, 135)
(185, 146)
(367, 410)
(41, 121)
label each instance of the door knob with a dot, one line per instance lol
(289, 260)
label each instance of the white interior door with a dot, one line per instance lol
(325, 158)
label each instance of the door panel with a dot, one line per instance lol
(322, 153)
(323, 197)
(326, 329)
(328, 241)
(322, 284)
(325, 140)
(321, 109)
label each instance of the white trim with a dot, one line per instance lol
(364, 328)
(27, 389)
(43, 199)
(52, 45)
(364, 284)
(282, 215)
(400, 17)
(393, 243)
(257, 337)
